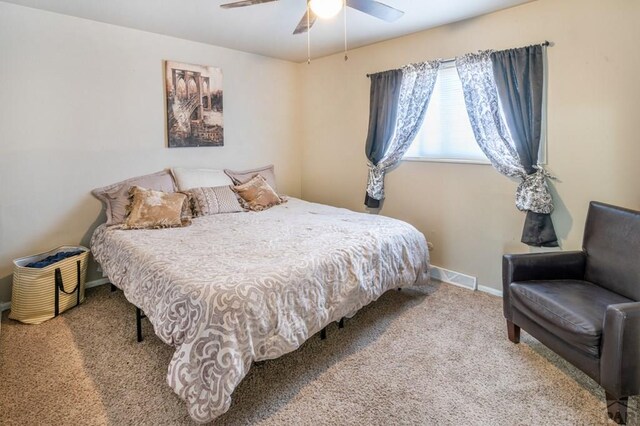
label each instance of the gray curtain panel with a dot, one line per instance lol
(518, 74)
(519, 79)
(383, 110)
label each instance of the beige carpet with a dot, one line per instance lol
(434, 357)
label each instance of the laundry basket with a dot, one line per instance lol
(41, 293)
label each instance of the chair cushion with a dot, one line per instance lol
(573, 310)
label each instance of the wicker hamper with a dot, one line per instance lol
(40, 294)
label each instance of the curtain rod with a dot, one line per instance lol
(545, 44)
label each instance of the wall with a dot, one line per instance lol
(82, 106)
(468, 211)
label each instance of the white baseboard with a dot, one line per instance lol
(95, 283)
(453, 277)
(490, 290)
(461, 280)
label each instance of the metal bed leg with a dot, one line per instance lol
(139, 323)
(341, 323)
(113, 288)
(323, 333)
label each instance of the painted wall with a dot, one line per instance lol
(82, 106)
(468, 211)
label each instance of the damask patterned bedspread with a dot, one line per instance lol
(240, 287)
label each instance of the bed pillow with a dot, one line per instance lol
(257, 195)
(267, 172)
(213, 200)
(199, 178)
(149, 209)
(116, 197)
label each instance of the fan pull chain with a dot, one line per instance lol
(308, 35)
(344, 7)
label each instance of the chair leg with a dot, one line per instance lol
(513, 331)
(617, 408)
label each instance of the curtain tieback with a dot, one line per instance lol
(533, 192)
(375, 182)
(545, 172)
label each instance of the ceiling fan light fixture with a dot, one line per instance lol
(326, 8)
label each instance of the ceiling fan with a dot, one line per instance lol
(330, 8)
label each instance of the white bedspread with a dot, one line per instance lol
(240, 287)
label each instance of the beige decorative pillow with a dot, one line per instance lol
(116, 196)
(149, 209)
(267, 172)
(213, 200)
(257, 194)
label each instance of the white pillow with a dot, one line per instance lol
(199, 178)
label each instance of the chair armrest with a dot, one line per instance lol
(620, 361)
(540, 266)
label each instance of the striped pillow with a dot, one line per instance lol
(213, 200)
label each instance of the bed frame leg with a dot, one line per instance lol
(399, 289)
(139, 323)
(323, 333)
(341, 323)
(113, 288)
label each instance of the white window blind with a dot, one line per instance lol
(446, 133)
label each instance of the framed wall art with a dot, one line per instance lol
(194, 105)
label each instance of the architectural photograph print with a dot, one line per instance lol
(194, 105)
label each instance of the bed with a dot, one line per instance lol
(236, 288)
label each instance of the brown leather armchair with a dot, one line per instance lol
(585, 305)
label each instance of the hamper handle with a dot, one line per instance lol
(60, 286)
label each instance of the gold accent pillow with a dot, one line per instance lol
(116, 197)
(257, 195)
(149, 209)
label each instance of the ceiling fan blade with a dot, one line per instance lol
(302, 25)
(377, 9)
(244, 3)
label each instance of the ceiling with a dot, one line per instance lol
(266, 29)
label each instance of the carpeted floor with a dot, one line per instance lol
(438, 356)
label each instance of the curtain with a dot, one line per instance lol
(481, 99)
(519, 79)
(417, 83)
(502, 148)
(383, 108)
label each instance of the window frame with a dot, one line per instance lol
(542, 153)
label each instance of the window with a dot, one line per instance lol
(446, 133)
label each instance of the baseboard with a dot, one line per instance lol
(490, 290)
(95, 283)
(453, 277)
(461, 280)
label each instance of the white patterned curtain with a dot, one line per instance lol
(490, 130)
(481, 99)
(418, 81)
